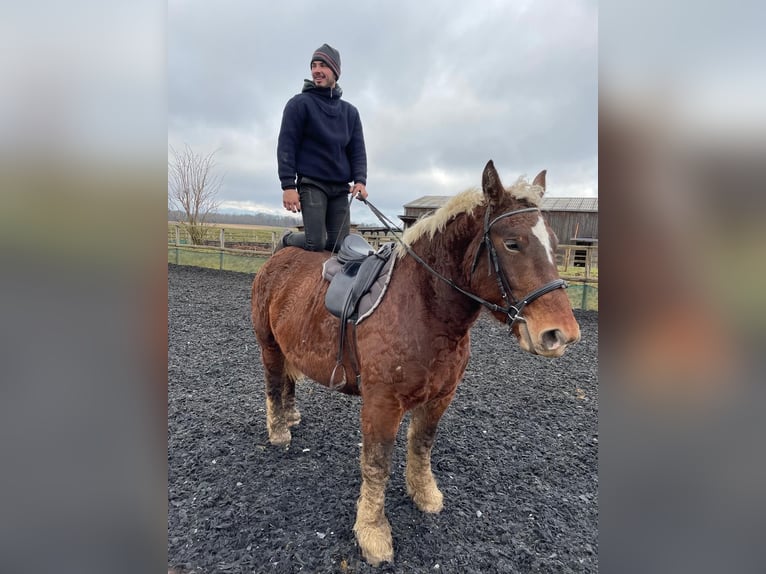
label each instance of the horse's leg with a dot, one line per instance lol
(380, 422)
(421, 485)
(292, 414)
(277, 386)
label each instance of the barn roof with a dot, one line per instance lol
(548, 203)
(569, 204)
(429, 201)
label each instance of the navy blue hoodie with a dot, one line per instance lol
(321, 137)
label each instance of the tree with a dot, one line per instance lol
(193, 189)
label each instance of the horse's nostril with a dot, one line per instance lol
(552, 339)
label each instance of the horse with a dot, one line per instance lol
(488, 248)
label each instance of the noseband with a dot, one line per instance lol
(514, 307)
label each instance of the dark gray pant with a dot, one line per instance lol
(326, 219)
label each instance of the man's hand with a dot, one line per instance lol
(359, 191)
(291, 200)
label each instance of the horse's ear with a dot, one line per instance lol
(540, 180)
(490, 184)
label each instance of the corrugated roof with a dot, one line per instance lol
(570, 204)
(548, 204)
(429, 201)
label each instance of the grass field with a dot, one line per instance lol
(583, 296)
(233, 233)
(215, 259)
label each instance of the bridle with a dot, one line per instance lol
(513, 307)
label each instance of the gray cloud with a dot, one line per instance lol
(442, 86)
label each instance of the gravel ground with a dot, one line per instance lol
(516, 456)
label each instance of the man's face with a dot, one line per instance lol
(322, 74)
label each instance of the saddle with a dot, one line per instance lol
(358, 278)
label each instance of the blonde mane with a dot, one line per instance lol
(465, 202)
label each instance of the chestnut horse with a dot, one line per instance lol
(492, 249)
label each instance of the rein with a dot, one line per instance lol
(514, 307)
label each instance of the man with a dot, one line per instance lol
(320, 151)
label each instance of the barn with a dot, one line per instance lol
(573, 219)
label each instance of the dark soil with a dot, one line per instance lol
(516, 456)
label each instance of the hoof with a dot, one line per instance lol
(375, 543)
(433, 504)
(428, 499)
(293, 418)
(280, 438)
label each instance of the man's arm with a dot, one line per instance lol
(357, 153)
(290, 135)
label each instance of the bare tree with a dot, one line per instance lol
(193, 189)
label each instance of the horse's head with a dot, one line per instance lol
(514, 266)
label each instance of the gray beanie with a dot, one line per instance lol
(330, 56)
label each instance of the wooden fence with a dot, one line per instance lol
(259, 240)
(246, 249)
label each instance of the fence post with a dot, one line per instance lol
(222, 243)
(176, 243)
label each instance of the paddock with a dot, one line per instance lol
(516, 455)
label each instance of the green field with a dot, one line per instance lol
(214, 259)
(583, 296)
(232, 234)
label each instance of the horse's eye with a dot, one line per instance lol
(511, 245)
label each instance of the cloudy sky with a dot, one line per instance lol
(442, 86)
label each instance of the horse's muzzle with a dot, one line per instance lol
(550, 342)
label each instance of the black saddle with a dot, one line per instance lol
(352, 273)
(358, 278)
